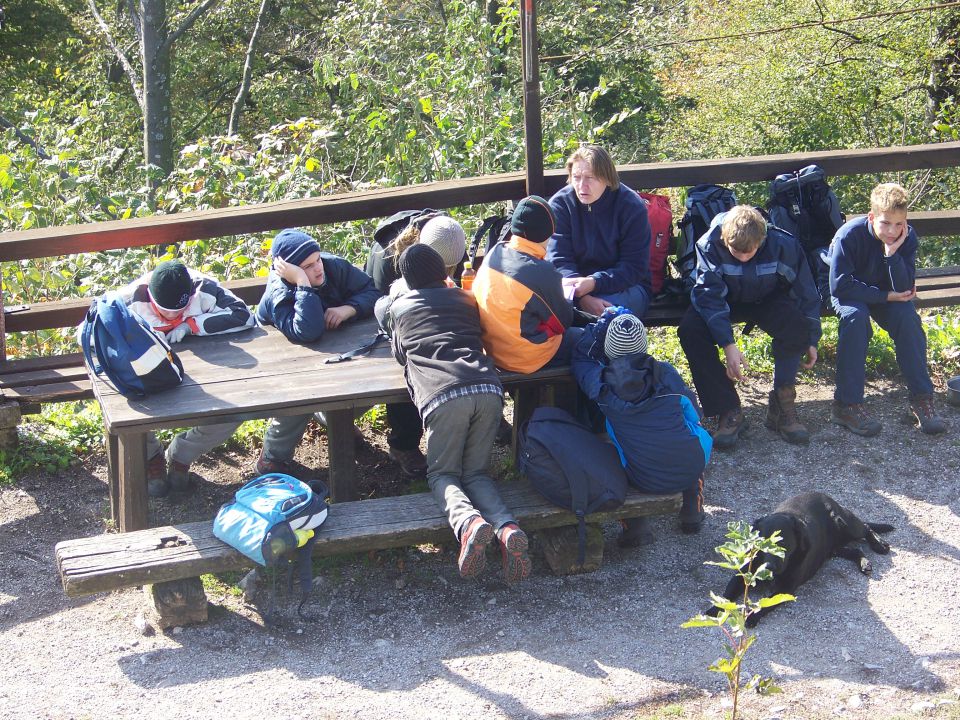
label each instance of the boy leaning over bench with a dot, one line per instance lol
(872, 274)
(178, 301)
(747, 272)
(435, 332)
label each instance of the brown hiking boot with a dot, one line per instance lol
(412, 462)
(157, 485)
(731, 424)
(854, 417)
(513, 546)
(474, 538)
(782, 415)
(926, 414)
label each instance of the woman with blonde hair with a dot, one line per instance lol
(602, 242)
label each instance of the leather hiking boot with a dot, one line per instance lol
(179, 476)
(782, 415)
(924, 411)
(157, 485)
(476, 535)
(412, 462)
(691, 511)
(855, 419)
(732, 423)
(513, 545)
(266, 466)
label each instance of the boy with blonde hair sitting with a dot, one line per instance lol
(872, 275)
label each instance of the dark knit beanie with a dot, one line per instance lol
(293, 246)
(171, 286)
(533, 219)
(422, 266)
(625, 336)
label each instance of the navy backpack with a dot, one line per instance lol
(571, 467)
(703, 204)
(120, 344)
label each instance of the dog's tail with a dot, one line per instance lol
(880, 527)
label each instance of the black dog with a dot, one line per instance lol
(814, 527)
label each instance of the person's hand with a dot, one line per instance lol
(594, 305)
(905, 296)
(293, 274)
(811, 358)
(336, 316)
(583, 286)
(736, 362)
(178, 333)
(890, 248)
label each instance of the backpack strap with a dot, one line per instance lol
(378, 339)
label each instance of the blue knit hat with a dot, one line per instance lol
(533, 219)
(294, 246)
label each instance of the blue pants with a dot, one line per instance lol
(635, 299)
(900, 319)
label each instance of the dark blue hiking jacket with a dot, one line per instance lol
(722, 280)
(297, 312)
(651, 415)
(859, 271)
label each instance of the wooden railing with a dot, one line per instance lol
(165, 229)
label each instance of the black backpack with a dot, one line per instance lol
(380, 258)
(703, 204)
(570, 466)
(803, 204)
(492, 230)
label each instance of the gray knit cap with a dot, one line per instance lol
(445, 235)
(625, 336)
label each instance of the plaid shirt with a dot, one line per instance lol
(462, 391)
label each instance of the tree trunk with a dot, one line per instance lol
(157, 125)
(241, 98)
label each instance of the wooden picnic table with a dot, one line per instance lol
(258, 374)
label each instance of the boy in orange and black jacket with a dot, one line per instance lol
(525, 316)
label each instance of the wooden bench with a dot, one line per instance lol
(173, 557)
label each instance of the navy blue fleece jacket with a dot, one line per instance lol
(859, 272)
(608, 240)
(298, 311)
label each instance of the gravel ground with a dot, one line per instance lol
(402, 636)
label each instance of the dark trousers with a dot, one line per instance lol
(778, 315)
(854, 333)
(406, 428)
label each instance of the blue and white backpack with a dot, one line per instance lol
(119, 343)
(263, 519)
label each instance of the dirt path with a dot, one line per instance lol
(402, 636)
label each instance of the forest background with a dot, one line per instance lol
(163, 106)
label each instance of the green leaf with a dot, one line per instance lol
(775, 600)
(700, 621)
(426, 105)
(354, 81)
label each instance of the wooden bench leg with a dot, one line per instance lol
(132, 512)
(113, 476)
(342, 455)
(561, 547)
(525, 401)
(9, 419)
(177, 602)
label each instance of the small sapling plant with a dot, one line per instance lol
(743, 546)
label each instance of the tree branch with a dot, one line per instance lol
(241, 98)
(188, 21)
(137, 93)
(26, 139)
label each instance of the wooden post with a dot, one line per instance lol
(532, 126)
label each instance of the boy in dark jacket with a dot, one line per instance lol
(435, 332)
(872, 274)
(747, 272)
(651, 415)
(308, 292)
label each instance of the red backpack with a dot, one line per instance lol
(661, 237)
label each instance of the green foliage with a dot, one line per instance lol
(58, 437)
(744, 545)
